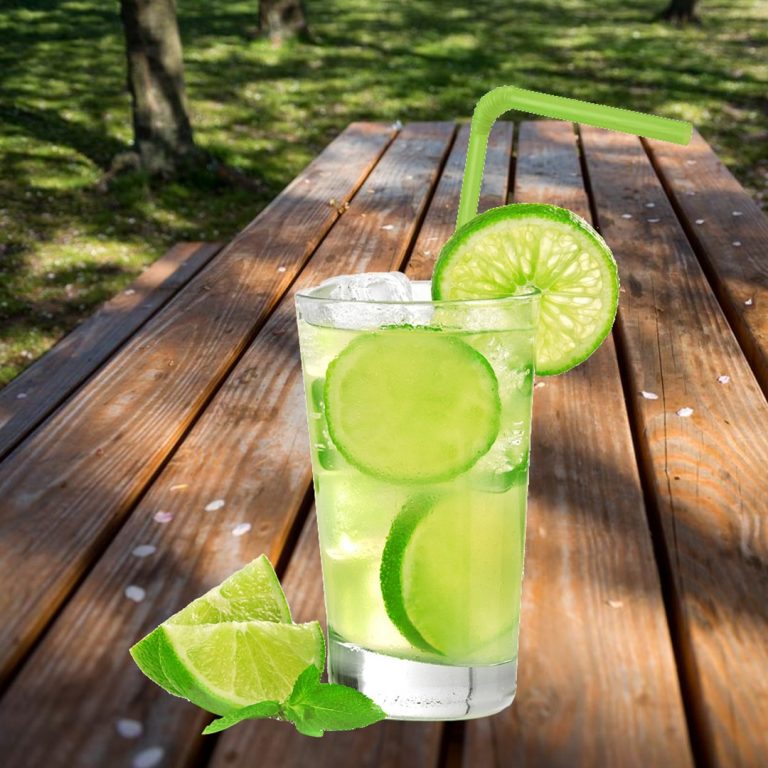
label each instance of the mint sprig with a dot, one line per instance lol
(313, 707)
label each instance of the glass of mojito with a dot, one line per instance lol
(419, 415)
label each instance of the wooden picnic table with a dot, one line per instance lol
(644, 637)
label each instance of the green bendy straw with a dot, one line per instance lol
(500, 100)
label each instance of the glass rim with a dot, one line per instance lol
(529, 293)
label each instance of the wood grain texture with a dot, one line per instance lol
(385, 745)
(730, 234)
(597, 683)
(65, 490)
(440, 221)
(40, 389)
(705, 471)
(249, 450)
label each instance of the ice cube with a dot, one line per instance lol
(360, 302)
(370, 286)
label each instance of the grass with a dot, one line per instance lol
(64, 113)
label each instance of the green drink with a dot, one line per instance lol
(419, 436)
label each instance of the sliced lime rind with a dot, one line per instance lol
(505, 251)
(409, 405)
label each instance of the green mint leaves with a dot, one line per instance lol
(313, 707)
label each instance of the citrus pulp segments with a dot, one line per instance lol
(223, 667)
(451, 572)
(410, 405)
(505, 250)
(251, 594)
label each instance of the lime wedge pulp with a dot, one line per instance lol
(451, 575)
(506, 250)
(234, 642)
(223, 667)
(411, 405)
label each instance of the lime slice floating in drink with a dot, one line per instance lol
(506, 250)
(235, 642)
(410, 405)
(440, 575)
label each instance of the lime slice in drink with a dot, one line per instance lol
(504, 251)
(451, 572)
(251, 594)
(222, 667)
(409, 405)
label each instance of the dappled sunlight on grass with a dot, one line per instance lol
(268, 111)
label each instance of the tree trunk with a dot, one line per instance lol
(162, 132)
(680, 11)
(281, 19)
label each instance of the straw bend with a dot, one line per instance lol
(505, 98)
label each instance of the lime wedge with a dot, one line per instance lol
(411, 405)
(505, 251)
(251, 594)
(451, 573)
(222, 667)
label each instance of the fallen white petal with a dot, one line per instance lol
(724, 379)
(539, 384)
(129, 729)
(736, 213)
(388, 226)
(214, 505)
(685, 412)
(21, 396)
(144, 550)
(653, 221)
(241, 528)
(129, 292)
(137, 594)
(736, 243)
(281, 269)
(649, 395)
(699, 221)
(162, 517)
(748, 302)
(650, 205)
(626, 215)
(148, 758)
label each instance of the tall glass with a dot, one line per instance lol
(419, 419)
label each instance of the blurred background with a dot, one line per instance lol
(89, 195)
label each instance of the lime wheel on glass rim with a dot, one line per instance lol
(507, 250)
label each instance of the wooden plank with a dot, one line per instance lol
(37, 392)
(249, 450)
(68, 487)
(440, 221)
(597, 683)
(730, 235)
(705, 471)
(389, 743)
(384, 745)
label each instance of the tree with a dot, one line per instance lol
(162, 132)
(280, 19)
(680, 11)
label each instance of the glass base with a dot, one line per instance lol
(416, 690)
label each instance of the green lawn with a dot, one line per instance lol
(64, 113)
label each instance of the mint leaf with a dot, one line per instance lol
(252, 711)
(314, 707)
